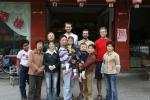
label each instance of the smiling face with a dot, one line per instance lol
(83, 47)
(51, 45)
(91, 49)
(110, 48)
(68, 27)
(103, 32)
(39, 46)
(85, 34)
(25, 46)
(63, 41)
(51, 36)
(70, 41)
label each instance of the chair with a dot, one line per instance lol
(14, 75)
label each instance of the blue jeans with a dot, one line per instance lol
(67, 86)
(51, 83)
(111, 86)
(23, 78)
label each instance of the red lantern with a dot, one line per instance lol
(136, 3)
(111, 2)
(54, 2)
(81, 2)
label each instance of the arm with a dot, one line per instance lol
(90, 61)
(117, 61)
(33, 66)
(18, 63)
(44, 60)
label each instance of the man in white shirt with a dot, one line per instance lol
(22, 64)
(68, 28)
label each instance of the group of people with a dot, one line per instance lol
(69, 60)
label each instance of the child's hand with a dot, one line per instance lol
(82, 62)
(73, 61)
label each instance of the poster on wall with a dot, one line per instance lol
(121, 35)
(16, 16)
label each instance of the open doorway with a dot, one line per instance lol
(139, 35)
(89, 17)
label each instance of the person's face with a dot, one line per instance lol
(110, 48)
(73, 50)
(25, 46)
(103, 33)
(63, 41)
(51, 45)
(39, 46)
(70, 41)
(51, 37)
(68, 28)
(83, 47)
(91, 49)
(85, 34)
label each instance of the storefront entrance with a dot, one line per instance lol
(89, 17)
(140, 36)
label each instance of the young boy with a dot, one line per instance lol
(83, 56)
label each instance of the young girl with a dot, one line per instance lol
(110, 69)
(52, 65)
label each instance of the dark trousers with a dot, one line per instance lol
(23, 78)
(35, 84)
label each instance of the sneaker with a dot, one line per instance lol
(74, 77)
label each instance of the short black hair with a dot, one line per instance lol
(39, 41)
(68, 23)
(51, 42)
(110, 43)
(70, 37)
(23, 42)
(83, 44)
(93, 46)
(85, 30)
(62, 36)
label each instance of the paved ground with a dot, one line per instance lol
(131, 86)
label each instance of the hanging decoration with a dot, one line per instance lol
(136, 3)
(111, 2)
(54, 2)
(81, 2)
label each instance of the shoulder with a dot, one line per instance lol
(97, 40)
(74, 35)
(116, 54)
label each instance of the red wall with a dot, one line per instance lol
(122, 22)
(37, 21)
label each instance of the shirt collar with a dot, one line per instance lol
(110, 53)
(51, 52)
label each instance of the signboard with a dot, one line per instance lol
(121, 35)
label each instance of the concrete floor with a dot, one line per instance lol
(132, 85)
